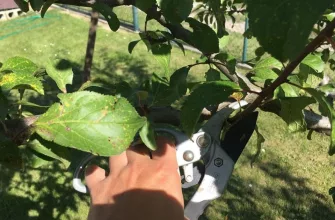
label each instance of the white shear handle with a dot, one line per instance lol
(216, 177)
(77, 183)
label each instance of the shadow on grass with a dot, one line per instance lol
(43, 193)
(293, 199)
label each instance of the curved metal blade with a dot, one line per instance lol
(214, 125)
(238, 136)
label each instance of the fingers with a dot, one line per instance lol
(117, 163)
(166, 150)
(138, 152)
(94, 175)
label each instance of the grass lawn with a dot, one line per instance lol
(290, 180)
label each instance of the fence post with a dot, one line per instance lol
(135, 19)
(245, 42)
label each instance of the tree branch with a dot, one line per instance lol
(92, 33)
(224, 70)
(183, 34)
(19, 130)
(289, 69)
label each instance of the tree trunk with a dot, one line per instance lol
(90, 46)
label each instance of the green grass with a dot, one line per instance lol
(290, 180)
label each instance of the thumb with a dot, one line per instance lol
(94, 175)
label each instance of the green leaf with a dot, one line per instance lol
(23, 5)
(325, 55)
(90, 84)
(180, 45)
(91, 122)
(144, 5)
(109, 15)
(268, 63)
(46, 149)
(167, 35)
(163, 94)
(61, 72)
(260, 141)
(321, 99)
(36, 4)
(282, 27)
(259, 52)
(209, 93)
(292, 112)
(203, 37)
(162, 53)
(309, 76)
(46, 6)
(315, 62)
(330, 16)
(3, 106)
(258, 79)
(33, 159)
(148, 136)
(19, 65)
(285, 90)
(264, 69)
(328, 88)
(178, 81)
(21, 81)
(175, 11)
(132, 45)
(212, 75)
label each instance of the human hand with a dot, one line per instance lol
(137, 187)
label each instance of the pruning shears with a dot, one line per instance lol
(219, 155)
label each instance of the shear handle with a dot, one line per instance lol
(216, 177)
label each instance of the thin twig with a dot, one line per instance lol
(250, 91)
(196, 64)
(222, 67)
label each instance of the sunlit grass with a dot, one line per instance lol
(290, 180)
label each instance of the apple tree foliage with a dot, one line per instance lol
(297, 45)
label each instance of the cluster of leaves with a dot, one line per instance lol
(285, 71)
(84, 120)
